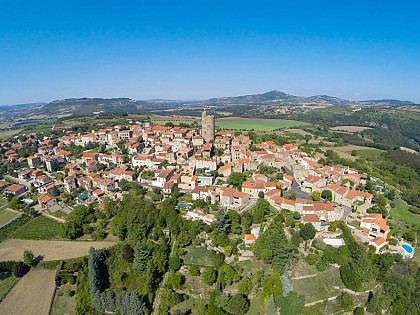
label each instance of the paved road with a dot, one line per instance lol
(295, 186)
(20, 181)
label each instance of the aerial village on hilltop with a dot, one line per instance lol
(197, 162)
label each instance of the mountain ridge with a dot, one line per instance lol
(89, 106)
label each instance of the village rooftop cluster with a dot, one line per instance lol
(195, 162)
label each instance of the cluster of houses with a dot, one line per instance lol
(180, 158)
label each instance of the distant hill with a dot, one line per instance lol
(391, 102)
(89, 106)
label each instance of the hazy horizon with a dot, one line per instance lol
(194, 50)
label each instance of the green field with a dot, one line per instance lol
(40, 228)
(3, 202)
(6, 215)
(257, 124)
(369, 153)
(5, 134)
(198, 256)
(401, 219)
(322, 286)
(64, 303)
(6, 285)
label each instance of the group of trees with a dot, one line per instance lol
(78, 222)
(102, 297)
(273, 247)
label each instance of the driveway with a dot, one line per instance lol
(20, 181)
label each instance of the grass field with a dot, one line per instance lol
(369, 153)
(50, 250)
(40, 228)
(63, 303)
(162, 120)
(364, 152)
(324, 285)
(6, 285)
(6, 215)
(258, 124)
(32, 295)
(401, 219)
(198, 256)
(5, 134)
(3, 202)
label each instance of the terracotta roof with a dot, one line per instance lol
(15, 187)
(250, 237)
(378, 241)
(311, 218)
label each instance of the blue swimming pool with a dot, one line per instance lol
(27, 201)
(183, 205)
(407, 248)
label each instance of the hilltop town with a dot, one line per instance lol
(194, 161)
(235, 188)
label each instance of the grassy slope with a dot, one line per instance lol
(6, 215)
(6, 285)
(258, 124)
(40, 228)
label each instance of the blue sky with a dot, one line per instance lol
(199, 49)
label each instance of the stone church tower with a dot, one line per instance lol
(207, 126)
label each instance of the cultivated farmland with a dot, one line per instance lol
(6, 215)
(40, 228)
(258, 124)
(32, 294)
(50, 250)
(350, 129)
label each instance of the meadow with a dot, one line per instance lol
(5, 134)
(257, 124)
(40, 228)
(6, 215)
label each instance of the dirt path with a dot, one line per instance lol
(335, 297)
(305, 277)
(32, 295)
(50, 250)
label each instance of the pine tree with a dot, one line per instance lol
(141, 257)
(132, 304)
(270, 307)
(222, 223)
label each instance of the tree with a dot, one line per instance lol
(194, 270)
(28, 258)
(261, 195)
(270, 307)
(273, 247)
(359, 311)
(246, 221)
(226, 275)
(235, 221)
(228, 251)
(307, 232)
(326, 195)
(261, 208)
(293, 304)
(236, 179)
(316, 196)
(221, 223)
(245, 286)
(132, 304)
(141, 257)
(209, 276)
(346, 301)
(237, 305)
(272, 286)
